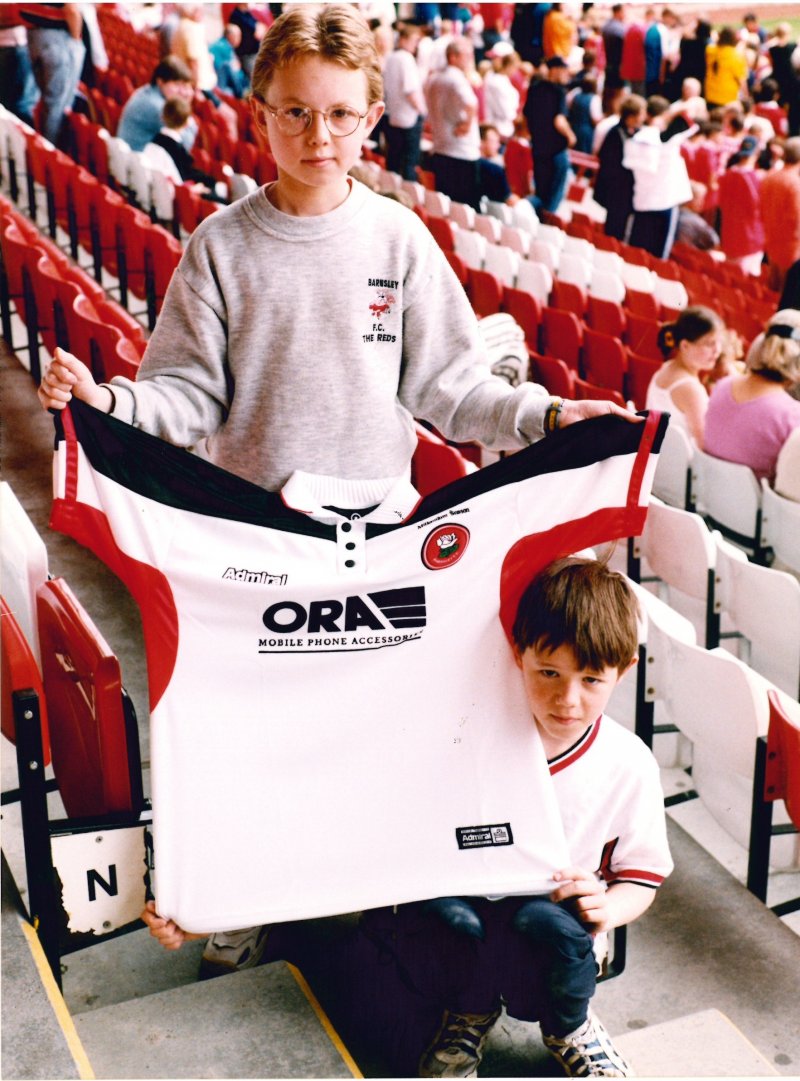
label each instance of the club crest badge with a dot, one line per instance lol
(444, 546)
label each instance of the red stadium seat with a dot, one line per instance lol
(527, 311)
(642, 303)
(162, 255)
(435, 462)
(20, 679)
(442, 231)
(99, 343)
(641, 335)
(518, 161)
(485, 292)
(640, 371)
(459, 266)
(606, 316)
(568, 297)
(604, 362)
(191, 208)
(562, 335)
(553, 374)
(93, 743)
(777, 777)
(585, 389)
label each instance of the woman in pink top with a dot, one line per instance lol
(750, 416)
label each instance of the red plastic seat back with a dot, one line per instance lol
(640, 371)
(554, 375)
(604, 360)
(20, 672)
(782, 779)
(641, 336)
(435, 463)
(585, 389)
(527, 311)
(83, 687)
(562, 335)
(485, 292)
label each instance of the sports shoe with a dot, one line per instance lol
(457, 1048)
(587, 1052)
(231, 951)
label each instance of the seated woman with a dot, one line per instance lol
(751, 416)
(787, 470)
(692, 344)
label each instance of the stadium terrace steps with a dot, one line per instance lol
(258, 1023)
(683, 1048)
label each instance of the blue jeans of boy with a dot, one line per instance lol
(535, 955)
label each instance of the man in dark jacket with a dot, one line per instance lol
(551, 134)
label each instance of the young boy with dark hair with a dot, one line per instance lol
(574, 638)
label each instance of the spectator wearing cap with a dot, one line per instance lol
(551, 135)
(780, 213)
(742, 230)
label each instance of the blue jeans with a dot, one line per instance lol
(471, 953)
(18, 90)
(57, 60)
(550, 175)
(403, 149)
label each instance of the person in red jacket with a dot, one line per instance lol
(780, 212)
(742, 231)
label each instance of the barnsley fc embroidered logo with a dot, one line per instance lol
(444, 546)
(383, 304)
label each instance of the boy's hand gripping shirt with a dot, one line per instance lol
(337, 722)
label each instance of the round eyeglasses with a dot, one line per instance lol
(295, 119)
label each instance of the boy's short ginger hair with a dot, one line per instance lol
(337, 33)
(583, 604)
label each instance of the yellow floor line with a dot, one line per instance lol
(57, 1002)
(324, 1020)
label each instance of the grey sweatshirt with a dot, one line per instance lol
(289, 343)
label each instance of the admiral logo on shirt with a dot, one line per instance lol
(264, 578)
(388, 617)
(484, 836)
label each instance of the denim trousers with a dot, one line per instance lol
(472, 954)
(57, 60)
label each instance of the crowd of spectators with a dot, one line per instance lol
(694, 130)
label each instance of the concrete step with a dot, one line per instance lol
(259, 1023)
(38, 1037)
(704, 1044)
